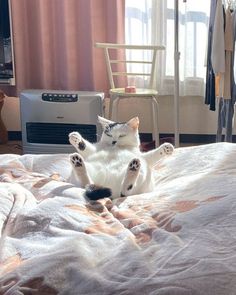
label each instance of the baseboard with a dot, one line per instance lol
(184, 138)
(14, 135)
(193, 138)
(147, 137)
(197, 138)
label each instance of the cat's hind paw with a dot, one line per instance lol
(134, 165)
(130, 177)
(167, 148)
(76, 160)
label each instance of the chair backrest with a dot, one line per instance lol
(146, 61)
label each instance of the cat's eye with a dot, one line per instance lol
(122, 135)
(108, 134)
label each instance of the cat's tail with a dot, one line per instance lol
(95, 192)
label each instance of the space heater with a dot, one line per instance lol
(48, 116)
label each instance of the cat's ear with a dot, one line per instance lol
(133, 123)
(104, 122)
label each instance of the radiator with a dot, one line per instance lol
(48, 116)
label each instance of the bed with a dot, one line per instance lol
(179, 239)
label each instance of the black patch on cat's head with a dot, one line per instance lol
(107, 130)
(109, 127)
(95, 192)
(112, 125)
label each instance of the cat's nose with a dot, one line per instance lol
(114, 142)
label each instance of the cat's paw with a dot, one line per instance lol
(134, 165)
(76, 160)
(76, 140)
(167, 148)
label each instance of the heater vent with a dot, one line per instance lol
(57, 133)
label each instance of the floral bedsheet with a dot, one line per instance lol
(179, 239)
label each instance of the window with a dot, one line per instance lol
(152, 22)
(6, 61)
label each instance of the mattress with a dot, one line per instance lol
(179, 239)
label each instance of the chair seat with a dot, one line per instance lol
(139, 92)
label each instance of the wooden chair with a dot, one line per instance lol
(118, 68)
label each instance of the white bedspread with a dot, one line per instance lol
(180, 239)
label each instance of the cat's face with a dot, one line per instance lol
(120, 134)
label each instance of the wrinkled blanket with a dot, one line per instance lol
(179, 239)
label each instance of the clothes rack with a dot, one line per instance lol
(176, 71)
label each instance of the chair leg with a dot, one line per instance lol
(110, 106)
(115, 109)
(155, 131)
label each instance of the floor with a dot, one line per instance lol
(12, 147)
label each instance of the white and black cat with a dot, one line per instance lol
(115, 166)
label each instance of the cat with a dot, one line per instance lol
(115, 167)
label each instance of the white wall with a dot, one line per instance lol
(195, 117)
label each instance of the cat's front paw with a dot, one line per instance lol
(75, 138)
(167, 148)
(77, 141)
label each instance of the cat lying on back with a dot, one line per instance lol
(115, 166)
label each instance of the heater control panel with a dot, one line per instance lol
(60, 97)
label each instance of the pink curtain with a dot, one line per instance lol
(54, 42)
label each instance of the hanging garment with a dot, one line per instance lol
(223, 68)
(218, 40)
(225, 120)
(210, 96)
(228, 97)
(229, 46)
